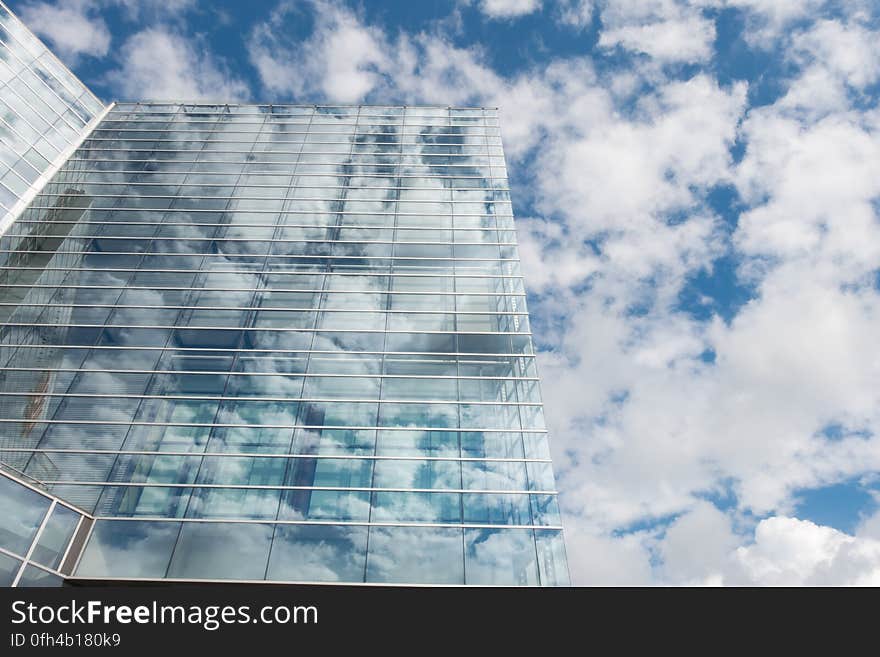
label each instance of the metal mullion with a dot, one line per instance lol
(33, 545)
(241, 119)
(359, 489)
(135, 183)
(293, 432)
(274, 289)
(268, 426)
(268, 351)
(344, 457)
(137, 238)
(270, 173)
(465, 149)
(286, 212)
(442, 377)
(458, 393)
(344, 124)
(388, 299)
(451, 171)
(210, 103)
(10, 553)
(274, 273)
(136, 270)
(279, 329)
(199, 225)
(170, 334)
(356, 133)
(304, 198)
(70, 540)
(282, 256)
(456, 313)
(252, 316)
(335, 523)
(203, 268)
(318, 152)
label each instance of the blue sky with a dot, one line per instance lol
(697, 188)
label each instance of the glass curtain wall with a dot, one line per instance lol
(44, 111)
(282, 342)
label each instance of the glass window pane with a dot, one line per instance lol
(551, 558)
(208, 550)
(55, 537)
(545, 510)
(33, 577)
(128, 549)
(417, 474)
(500, 557)
(314, 553)
(325, 505)
(416, 507)
(8, 569)
(423, 555)
(494, 475)
(496, 509)
(21, 512)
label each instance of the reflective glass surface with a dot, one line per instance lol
(297, 333)
(128, 549)
(55, 537)
(44, 111)
(21, 512)
(9, 567)
(33, 576)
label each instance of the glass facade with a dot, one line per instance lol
(44, 112)
(272, 342)
(38, 535)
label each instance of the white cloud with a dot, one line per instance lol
(836, 59)
(767, 20)
(341, 61)
(848, 50)
(792, 552)
(138, 9)
(795, 359)
(696, 544)
(601, 560)
(158, 64)
(701, 548)
(686, 40)
(869, 527)
(575, 13)
(509, 8)
(72, 29)
(666, 30)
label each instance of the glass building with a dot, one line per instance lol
(268, 342)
